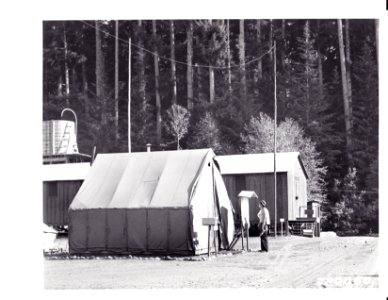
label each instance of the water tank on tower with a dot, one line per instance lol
(59, 137)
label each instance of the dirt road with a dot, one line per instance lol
(293, 262)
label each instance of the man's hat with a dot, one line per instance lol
(263, 203)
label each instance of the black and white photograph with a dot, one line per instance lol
(209, 152)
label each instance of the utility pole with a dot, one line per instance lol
(129, 95)
(274, 127)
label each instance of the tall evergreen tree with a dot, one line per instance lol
(346, 94)
(157, 92)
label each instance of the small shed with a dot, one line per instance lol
(61, 183)
(255, 172)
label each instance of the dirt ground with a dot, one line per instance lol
(293, 262)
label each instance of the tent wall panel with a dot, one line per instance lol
(78, 231)
(157, 225)
(117, 231)
(137, 229)
(179, 237)
(97, 230)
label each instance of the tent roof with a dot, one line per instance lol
(63, 172)
(144, 179)
(258, 163)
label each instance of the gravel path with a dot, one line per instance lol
(293, 262)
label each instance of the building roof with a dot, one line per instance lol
(64, 172)
(143, 179)
(248, 194)
(258, 163)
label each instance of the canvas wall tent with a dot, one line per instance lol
(150, 203)
(255, 172)
(61, 182)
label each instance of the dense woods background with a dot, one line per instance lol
(211, 83)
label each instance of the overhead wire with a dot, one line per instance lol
(177, 61)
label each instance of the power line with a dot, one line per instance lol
(177, 61)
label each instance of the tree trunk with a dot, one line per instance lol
(129, 95)
(100, 94)
(60, 86)
(211, 83)
(270, 39)
(141, 68)
(259, 50)
(228, 57)
(116, 80)
(157, 95)
(198, 82)
(283, 49)
(307, 71)
(243, 89)
(74, 86)
(320, 67)
(190, 93)
(211, 73)
(348, 69)
(99, 69)
(345, 93)
(85, 89)
(377, 40)
(67, 79)
(173, 66)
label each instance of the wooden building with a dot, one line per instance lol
(61, 183)
(255, 172)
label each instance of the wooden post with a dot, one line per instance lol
(242, 236)
(247, 228)
(208, 241)
(215, 241)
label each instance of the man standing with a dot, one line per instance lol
(264, 222)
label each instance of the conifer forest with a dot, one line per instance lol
(212, 84)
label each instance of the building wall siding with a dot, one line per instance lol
(57, 196)
(263, 185)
